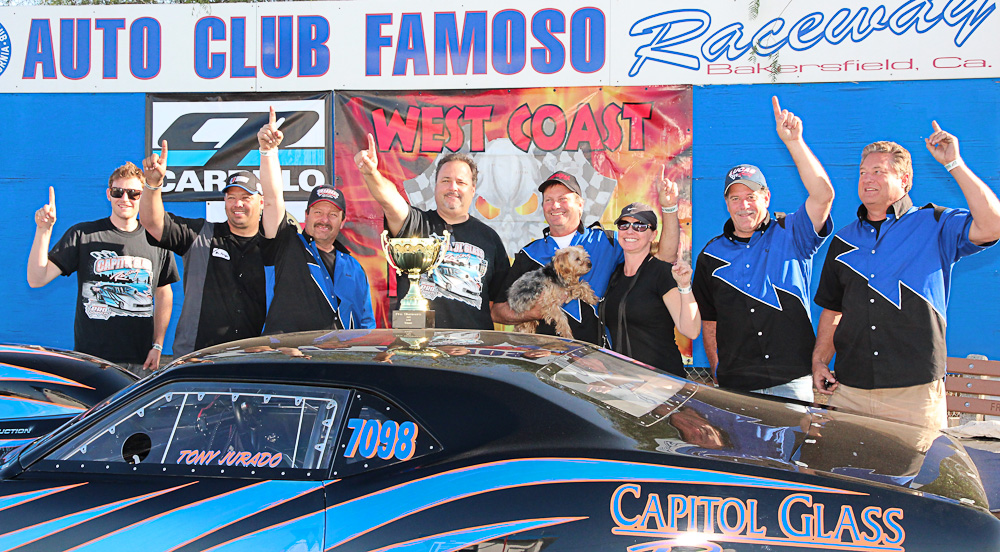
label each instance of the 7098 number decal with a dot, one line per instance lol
(387, 439)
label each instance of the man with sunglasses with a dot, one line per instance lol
(562, 206)
(123, 283)
(752, 282)
(225, 295)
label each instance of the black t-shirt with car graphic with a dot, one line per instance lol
(117, 275)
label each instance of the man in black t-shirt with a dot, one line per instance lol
(123, 283)
(225, 295)
(470, 278)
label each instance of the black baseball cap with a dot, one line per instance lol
(243, 179)
(748, 175)
(327, 193)
(640, 212)
(564, 178)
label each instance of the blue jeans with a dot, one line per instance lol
(801, 389)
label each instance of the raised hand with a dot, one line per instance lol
(154, 167)
(942, 145)
(682, 274)
(367, 160)
(269, 137)
(666, 189)
(789, 126)
(45, 217)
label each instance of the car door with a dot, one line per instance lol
(186, 466)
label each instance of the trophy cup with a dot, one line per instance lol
(414, 256)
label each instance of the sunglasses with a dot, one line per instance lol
(637, 226)
(132, 194)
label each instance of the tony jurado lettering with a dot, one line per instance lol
(729, 519)
(232, 458)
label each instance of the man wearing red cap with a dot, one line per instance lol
(562, 206)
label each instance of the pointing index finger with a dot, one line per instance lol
(272, 119)
(937, 128)
(777, 106)
(163, 152)
(371, 143)
(52, 196)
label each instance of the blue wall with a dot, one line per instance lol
(73, 141)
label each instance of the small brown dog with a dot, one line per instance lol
(551, 286)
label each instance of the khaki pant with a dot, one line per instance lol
(924, 405)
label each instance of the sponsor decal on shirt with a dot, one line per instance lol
(122, 287)
(220, 253)
(459, 276)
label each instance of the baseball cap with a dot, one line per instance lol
(243, 179)
(640, 212)
(748, 175)
(564, 178)
(327, 193)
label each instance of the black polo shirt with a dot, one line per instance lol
(757, 291)
(891, 284)
(225, 295)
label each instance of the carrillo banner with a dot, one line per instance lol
(211, 136)
(615, 141)
(395, 45)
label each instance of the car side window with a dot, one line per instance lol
(377, 434)
(216, 426)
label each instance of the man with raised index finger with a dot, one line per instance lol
(752, 283)
(318, 284)
(123, 283)
(463, 287)
(225, 296)
(885, 285)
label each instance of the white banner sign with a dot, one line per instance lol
(389, 45)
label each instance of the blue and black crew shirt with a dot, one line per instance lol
(891, 284)
(757, 292)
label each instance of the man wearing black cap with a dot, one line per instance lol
(318, 284)
(562, 205)
(225, 296)
(752, 282)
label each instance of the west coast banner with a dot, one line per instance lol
(616, 141)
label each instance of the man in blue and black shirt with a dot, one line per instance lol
(885, 284)
(752, 282)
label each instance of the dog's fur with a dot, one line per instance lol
(551, 286)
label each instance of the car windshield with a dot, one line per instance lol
(619, 383)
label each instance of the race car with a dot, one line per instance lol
(436, 440)
(124, 297)
(42, 388)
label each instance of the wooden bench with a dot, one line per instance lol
(976, 384)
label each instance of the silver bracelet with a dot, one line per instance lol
(954, 164)
(151, 188)
(684, 290)
(668, 210)
(158, 347)
(269, 153)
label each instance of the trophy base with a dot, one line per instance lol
(412, 319)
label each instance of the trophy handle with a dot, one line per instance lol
(446, 241)
(385, 249)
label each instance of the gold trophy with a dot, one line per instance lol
(414, 256)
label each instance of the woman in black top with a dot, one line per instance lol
(647, 298)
